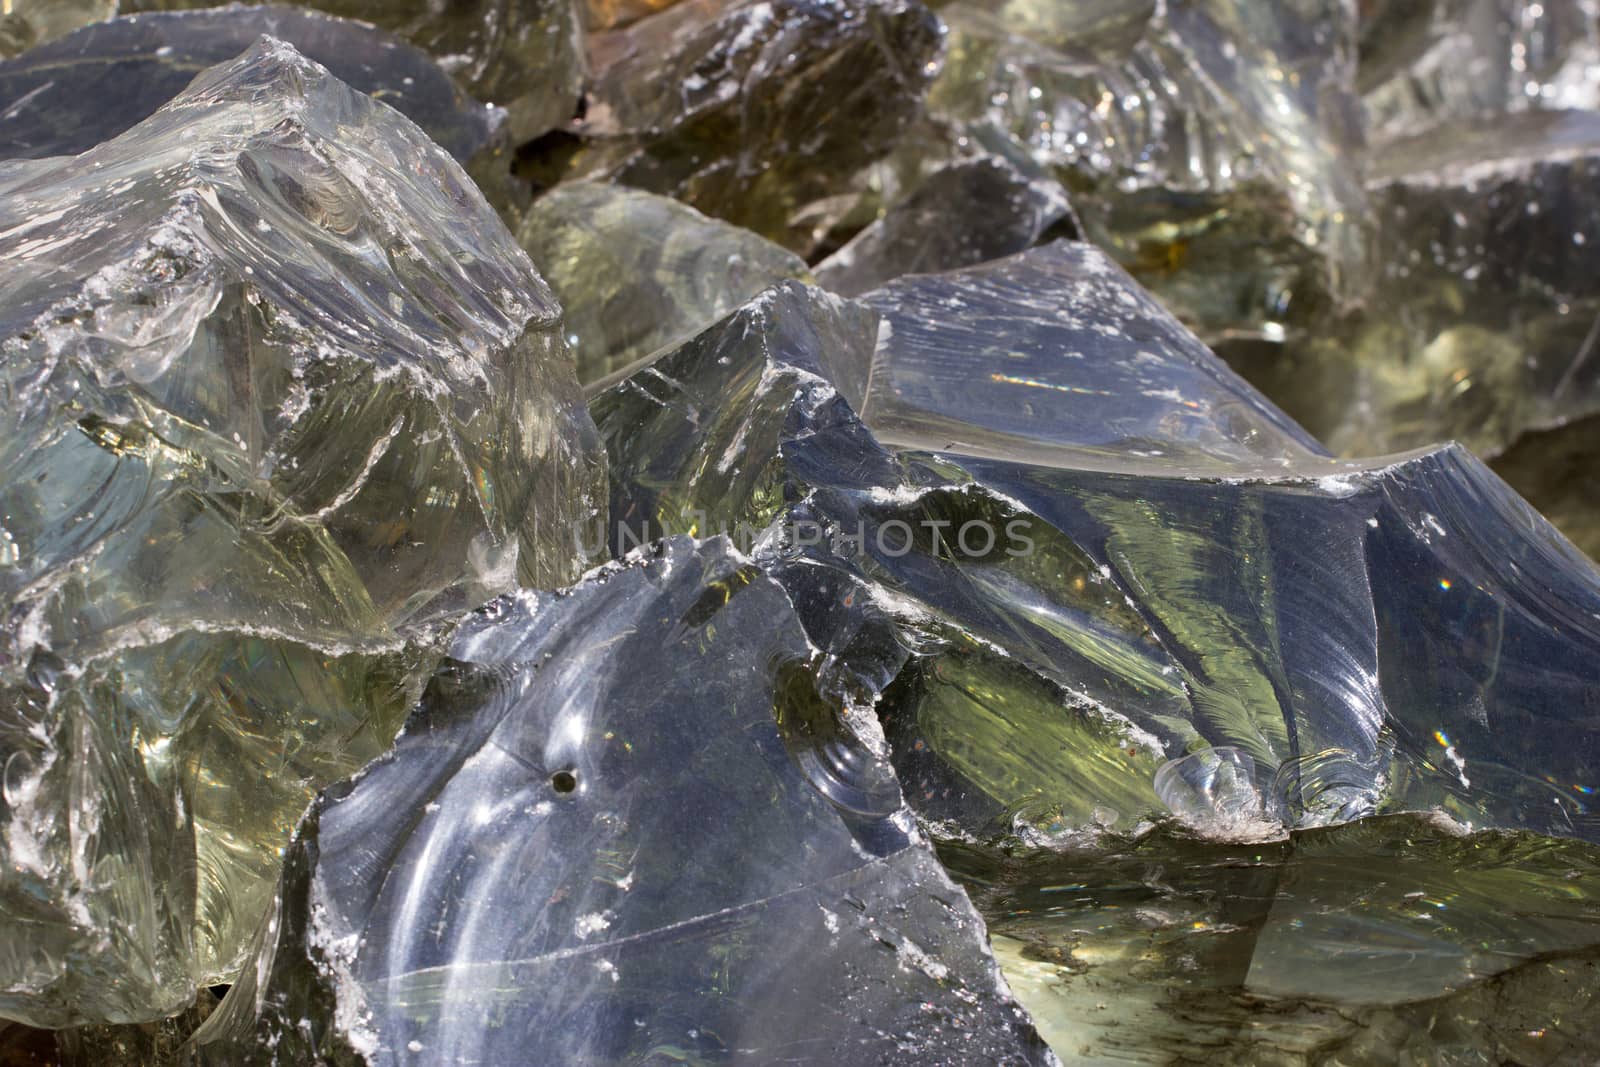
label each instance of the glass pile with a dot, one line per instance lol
(806, 531)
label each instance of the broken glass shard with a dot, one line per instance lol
(635, 271)
(526, 57)
(962, 214)
(284, 398)
(94, 84)
(623, 825)
(717, 462)
(1210, 144)
(1485, 325)
(771, 101)
(1059, 357)
(1165, 560)
(1429, 61)
(1391, 940)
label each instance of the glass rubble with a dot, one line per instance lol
(913, 531)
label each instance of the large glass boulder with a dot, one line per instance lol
(283, 400)
(624, 826)
(1288, 757)
(1082, 539)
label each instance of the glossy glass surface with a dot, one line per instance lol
(1179, 567)
(284, 399)
(131, 66)
(636, 272)
(624, 827)
(770, 101)
(1394, 940)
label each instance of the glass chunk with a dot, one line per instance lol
(740, 431)
(526, 57)
(1484, 326)
(1060, 358)
(976, 620)
(98, 82)
(635, 271)
(1210, 144)
(1437, 524)
(771, 100)
(965, 213)
(622, 826)
(717, 460)
(1391, 940)
(1429, 61)
(1169, 562)
(284, 399)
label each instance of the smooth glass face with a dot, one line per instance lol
(636, 272)
(624, 821)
